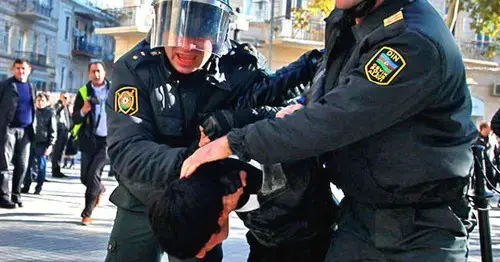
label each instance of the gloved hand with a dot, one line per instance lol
(217, 124)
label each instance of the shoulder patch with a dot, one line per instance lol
(384, 66)
(393, 19)
(127, 100)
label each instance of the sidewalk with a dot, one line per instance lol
(48, 227)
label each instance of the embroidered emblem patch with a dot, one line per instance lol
(126, 100)
(384, 66)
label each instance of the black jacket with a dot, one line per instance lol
(295, 198)
(86, 134)
(8, 105)
(150, 137)
(392, 117)
(63, 116)
(46, 128)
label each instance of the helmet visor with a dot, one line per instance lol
(192, 24)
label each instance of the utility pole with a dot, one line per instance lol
(271, 35)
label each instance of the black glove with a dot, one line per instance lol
(218, 124)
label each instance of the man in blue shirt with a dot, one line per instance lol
(17, 111)
(89, 117)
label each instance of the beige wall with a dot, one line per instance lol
(125, 42)
(483, 90)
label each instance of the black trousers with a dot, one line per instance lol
(92, 163)
(16, 150)
(311, 250)
(57, 153)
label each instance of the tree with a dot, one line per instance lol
(485, 15)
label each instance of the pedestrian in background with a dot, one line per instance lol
(17, 130)
(91, 130)
(45, 138)
(63, 125)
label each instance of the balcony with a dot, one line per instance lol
(310, 33)
(134, 20)
(477, 50)
(34, 58)
(81, 47)
(33, 10)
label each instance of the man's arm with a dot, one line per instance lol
(142, 163)
(257, 87)
(355, 109)
(351, 111)
(219, 123)
(52, 134)
(77, 116)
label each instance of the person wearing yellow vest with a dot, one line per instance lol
(90, 130)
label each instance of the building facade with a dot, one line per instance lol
(57, 37)
(135, 19)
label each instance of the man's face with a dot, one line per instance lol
(230, 203)
(486, 131)
(21, 72)
(346, 4)
(97, 74)
(64, 98)
(186, 59)
(216, 238)
(41, 102)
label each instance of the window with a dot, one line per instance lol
(66, 29)
(20, 41)
(63, 71)
(5, 39)
(35, 43)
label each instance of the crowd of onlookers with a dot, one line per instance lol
(34, 128)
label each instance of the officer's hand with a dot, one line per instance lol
(86, 106)
(48, 150)
(216, 150)
(204, 139)
(288, 110)
(230, 202)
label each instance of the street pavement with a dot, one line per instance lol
(48, 227)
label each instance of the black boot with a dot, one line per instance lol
(5, 203)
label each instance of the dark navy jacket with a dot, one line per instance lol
(392, 116)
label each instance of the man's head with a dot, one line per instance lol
(21, 69)
(191, 31)
(42, 101)
(185, 217)
(64, 98)
(484, 129)
(97, 73)
(190, 217)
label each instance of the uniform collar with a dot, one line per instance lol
(376, 18)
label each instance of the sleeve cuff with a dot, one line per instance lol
(236, 140)
(82, 114)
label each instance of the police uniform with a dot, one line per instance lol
(391, 118)
(153, 117)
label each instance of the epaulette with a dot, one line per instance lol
(395, 19)
(141, 56)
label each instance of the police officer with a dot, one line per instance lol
(392, 123)
(160, 91)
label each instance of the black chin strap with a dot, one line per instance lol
(362, 9)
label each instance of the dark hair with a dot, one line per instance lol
(483, 125)
(184, 216)
(96, 63)
(42, 95)
(21, 61)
